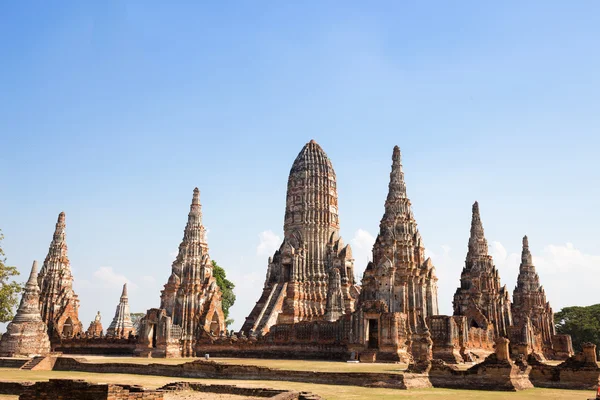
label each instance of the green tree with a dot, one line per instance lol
(9, 289)
(582, 323)
(226, 286)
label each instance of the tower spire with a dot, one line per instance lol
(59, 305)
(121, 325)
(526, 258)
(478, 245)
(397, 186)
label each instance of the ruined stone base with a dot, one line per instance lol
(449, 354)
(575, 373)
(81, 390)
(488, 375)
(171, 350)
(26, 339)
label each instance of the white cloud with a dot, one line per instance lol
(109, 278)
(269, 242)
(362, 251)
(173, 254)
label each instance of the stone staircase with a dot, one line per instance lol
(41, 363)
(273, 300)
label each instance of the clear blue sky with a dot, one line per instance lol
(115, 111)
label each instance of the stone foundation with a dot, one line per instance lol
(213, 370)
(81, 390)
(96, 346)
(577, 372)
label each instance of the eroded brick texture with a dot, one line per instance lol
(312, 254)
(27, 334)
(59, 303)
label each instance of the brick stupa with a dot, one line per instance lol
(27, 334)
(481, 297)
(191, 296)
(59, 303)
(312, 256)
(121, 325)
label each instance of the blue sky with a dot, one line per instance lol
(113, 112)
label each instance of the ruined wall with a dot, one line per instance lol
(302, 340)
(81, 390)
(212, 370)
(577, 372)
(97, 345)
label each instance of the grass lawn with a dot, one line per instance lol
(326, 391)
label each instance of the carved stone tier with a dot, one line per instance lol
(481, 297)
(191, 297)
(530, 307)
(59, 303)
(121, 325)
(401, 279)
(298, 274)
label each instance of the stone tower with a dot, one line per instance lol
(529, 300)
(191, 296)
(27, 334)
(296, 286)
(481, 297)
(121, 325)
(400, 282)
(59, 303)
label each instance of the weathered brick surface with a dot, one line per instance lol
(26, 335)
(81, 390)
(240, 391)
(59, 303)
(96, 345)
(577, 372)
(312, 254)
(213, 370)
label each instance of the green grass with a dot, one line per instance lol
(326, 391)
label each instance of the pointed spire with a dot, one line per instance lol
(195, 215)
(477, 243)
(29, 308)
(59, 230)
(121, 325)
(526, 258)
(397, 187)
(58, 301)
(33, 275)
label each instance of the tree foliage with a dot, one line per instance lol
(227, 287)
(582, 323)
(9, 289)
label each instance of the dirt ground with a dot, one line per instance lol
(191, 395)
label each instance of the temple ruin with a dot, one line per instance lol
(399, 287)
(481, 297)
(312, 258)
(312, 308)
(121, 325)
(59, 303)
(27, 334)
(190, 305)
(533, 318)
